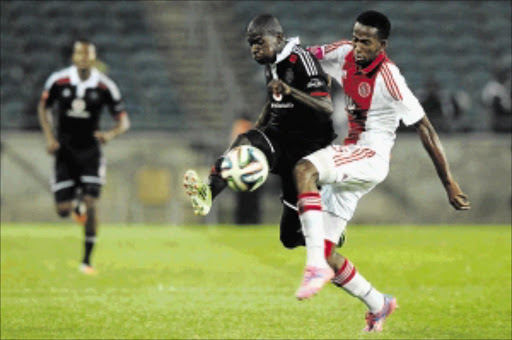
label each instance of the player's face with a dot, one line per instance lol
(264, 48)
(84, 55)
(366, 44)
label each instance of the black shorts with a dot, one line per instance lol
(282, 158)
(82, 169)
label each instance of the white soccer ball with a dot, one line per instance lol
(245, 168)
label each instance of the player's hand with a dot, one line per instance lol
(278, 87)
(52, 146)
(103, 137)
(458, 199)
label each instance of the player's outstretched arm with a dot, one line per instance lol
(122, 125)
(433, 145)
(321, 104)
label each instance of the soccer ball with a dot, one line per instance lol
(245, 168)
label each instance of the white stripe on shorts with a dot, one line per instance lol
(62, 185)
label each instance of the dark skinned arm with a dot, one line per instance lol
(45, 120)
(264, 117)
(321, 104)
(434, 148)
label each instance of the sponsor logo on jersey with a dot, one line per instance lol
(314, 83)
(281, 105)
(364, 89)
(78, 109)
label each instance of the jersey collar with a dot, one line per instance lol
(287, 50)
(81, 86)
(75, 78)
(380, 58)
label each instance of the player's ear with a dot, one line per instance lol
(280, 38)
(383, 43)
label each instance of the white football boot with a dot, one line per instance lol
(199, 192)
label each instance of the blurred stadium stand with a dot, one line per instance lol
(36, 40)
(185, 70)
(185, 65)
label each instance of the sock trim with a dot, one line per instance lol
(345, 274)
(309, 201)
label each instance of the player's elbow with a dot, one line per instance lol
(327, 107)
(124, 122)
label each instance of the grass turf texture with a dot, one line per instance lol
(452, 282)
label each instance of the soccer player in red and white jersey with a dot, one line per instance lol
(377, 98)
(76, 96)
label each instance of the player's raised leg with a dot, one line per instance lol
(79, 212)
(199, 192)
(203, 193)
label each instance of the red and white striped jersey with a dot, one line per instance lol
(376, 97)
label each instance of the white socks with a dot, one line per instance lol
(355, 284)
(311, 218)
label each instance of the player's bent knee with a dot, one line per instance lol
(64, 209)
(305, 172)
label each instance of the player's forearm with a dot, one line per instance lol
(121, 127)
(433, 146)
(264, 117)
(322, 104)
(45, 121)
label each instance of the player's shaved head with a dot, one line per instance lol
(377, 20)
(265, 24)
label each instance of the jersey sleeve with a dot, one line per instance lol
(50, 90)
(398, 93)
(115, 101)
(332, 57)
(315, 79)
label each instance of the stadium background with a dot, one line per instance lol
(185, 73)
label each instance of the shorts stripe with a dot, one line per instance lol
(355, 156)
(62, 185)
(92, 179)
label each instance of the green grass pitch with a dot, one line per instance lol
(226, 282)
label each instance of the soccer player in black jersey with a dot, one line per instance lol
(75, 97)
(295, 121)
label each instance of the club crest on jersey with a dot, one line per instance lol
(93, 95)
(364, 89)
(66, 92)
(293, 58)
(288, 76)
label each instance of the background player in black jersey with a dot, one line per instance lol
(287, 129)
(75, 97)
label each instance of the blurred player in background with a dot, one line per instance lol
(76, 96)
(295, 121)
(377, 98)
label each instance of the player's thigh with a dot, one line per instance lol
(64, 179)
(350, 164)
(92, 176)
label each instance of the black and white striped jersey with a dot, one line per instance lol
(297, 123)
(77, 105)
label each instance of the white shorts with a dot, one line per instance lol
(347, 173)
